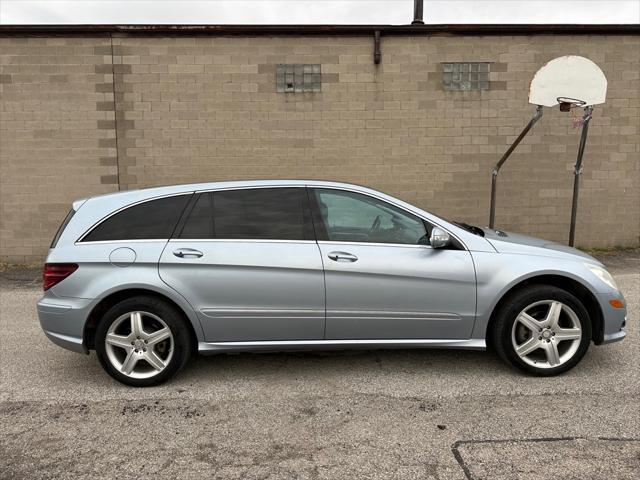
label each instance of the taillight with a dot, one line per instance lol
(54, 273)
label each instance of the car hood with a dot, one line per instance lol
(508, 242)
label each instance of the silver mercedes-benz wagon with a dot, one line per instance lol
(147, 278)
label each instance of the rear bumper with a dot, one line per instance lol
(74, 344)
(613, 321)
(63, 320)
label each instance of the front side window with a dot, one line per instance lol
(353, 217)
(150, 220)
(251, 214)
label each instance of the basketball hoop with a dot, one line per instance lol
(566, 103)
(570, 82)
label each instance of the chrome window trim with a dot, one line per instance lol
(266, 240)
(137, 240)
(238, 240)
(121, 209)
(374, 244)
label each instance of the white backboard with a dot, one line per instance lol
(571, 77)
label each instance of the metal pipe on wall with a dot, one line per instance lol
(417, 12)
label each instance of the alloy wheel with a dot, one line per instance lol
(546, 334)
(139, 344)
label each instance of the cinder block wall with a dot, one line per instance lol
(205, 109)
(57, 136)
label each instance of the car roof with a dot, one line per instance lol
(151, 192)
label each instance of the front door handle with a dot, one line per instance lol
(187, 253)
(342, 257)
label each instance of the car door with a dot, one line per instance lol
(248, 262)
(382, 278)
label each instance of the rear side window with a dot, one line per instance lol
(64, 224)
(252, 214)
(199, 223)
(150, 220)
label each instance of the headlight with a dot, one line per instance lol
(603, 275)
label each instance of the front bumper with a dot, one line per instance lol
(613, 319)
(614, 337)
(63, 320)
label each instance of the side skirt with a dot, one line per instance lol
(206, 348)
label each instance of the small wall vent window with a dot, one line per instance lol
(465, 76)
(297, 78)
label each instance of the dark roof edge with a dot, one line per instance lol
(347, 30)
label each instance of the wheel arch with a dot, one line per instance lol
(571, 285)
(115, 297)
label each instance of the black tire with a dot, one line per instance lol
(505, 317)
(182, 342)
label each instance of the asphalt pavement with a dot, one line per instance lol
(394, 414)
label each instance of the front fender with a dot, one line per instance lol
(498, 273)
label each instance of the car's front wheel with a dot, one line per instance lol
(142, 341)
(542, 329)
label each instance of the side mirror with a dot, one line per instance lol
(440, 238)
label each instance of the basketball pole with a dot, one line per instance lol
(496, 169)
(577, 171)
(570, 81)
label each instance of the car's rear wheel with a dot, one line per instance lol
(542, 330)
(142, 341)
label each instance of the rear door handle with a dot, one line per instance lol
(342, 257)
(187, 253)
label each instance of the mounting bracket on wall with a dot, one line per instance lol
(377, 53)
(570, 82)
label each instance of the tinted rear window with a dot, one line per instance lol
(199, 223)
(255, 214)
(64, 224)
(150, 220)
